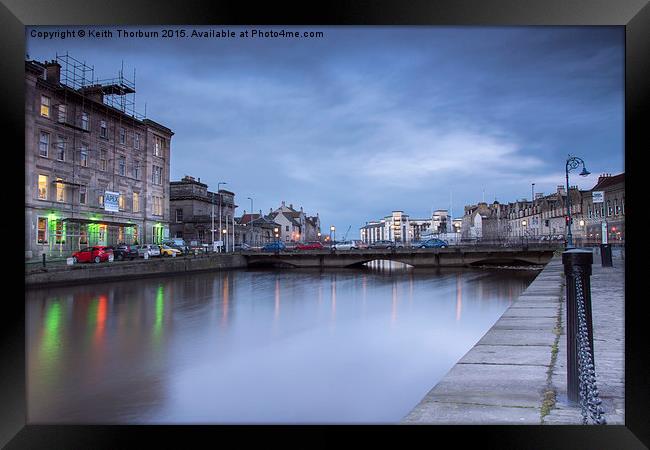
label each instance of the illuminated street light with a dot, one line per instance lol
(572, 162)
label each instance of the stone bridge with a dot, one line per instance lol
(439, 257)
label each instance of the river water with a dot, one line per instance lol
(256, 346)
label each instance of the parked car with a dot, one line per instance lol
(95, 254)
(310, 246)
(150, 249)
(382, 244)
(344, 245)
(178, 244)
(242, 247)
(276, 246)
(360, 244)
(434, 243)
(123, 251)
(166, 250)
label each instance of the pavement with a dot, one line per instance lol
(516, 373)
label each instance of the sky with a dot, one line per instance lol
(366, 120)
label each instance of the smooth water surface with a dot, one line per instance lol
(257, 346)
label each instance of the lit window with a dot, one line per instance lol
(60, 149)
(45, 106)
(42, 230)
(60, 232)
(83, 158)
(84, 120)
(136, 202)
(43, 144)
(120, 234)
(83, 235)
(120, 201)
(42, 187)
(100, 200)
(82, 195)
(60, 190)
(103, 132)
(122, 136)
(62, 113)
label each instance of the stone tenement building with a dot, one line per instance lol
(546, 216)
(95, 173)
(295, 226)
(191, 207)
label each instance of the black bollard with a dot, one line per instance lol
(43, 259)
(577, 266)
(606, 255)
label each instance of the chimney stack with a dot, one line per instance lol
(53, 72)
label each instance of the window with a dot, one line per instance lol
(42, 230)
(136, 170)
(60, 232)
(136, 140)
(589, 211)
(287, 228)
(62, 113)
(120, 234)
(200, 235)
(617, 209)
(179, 235)
(158, 146)
(82, 195)
(122, 136)
(60, 149)
(135, 234)
(120, 202)
(100, 200)
(45, 106)
(103, 131)
(179, 215)
(60, 190)
(42, 187)
(83, 235)
(83, 158)
(102, 160)
(157, 206)
(136, 202)
(121, 165)
(84, 121)
(157, 175)
(43, 144)
(609, 208)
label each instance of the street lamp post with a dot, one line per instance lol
(218, 189)
(572, 162)
(524, 223)
(251, 221)
(333, 231)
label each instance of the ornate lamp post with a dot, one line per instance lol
(572, 162)
(332, 230)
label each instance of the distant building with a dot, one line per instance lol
(295, 226)
(96, 172)
(255, 229)
(395, 227)
(611, 211)
(192, 208)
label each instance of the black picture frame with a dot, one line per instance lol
(634, 15)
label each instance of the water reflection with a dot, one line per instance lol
(148, 351)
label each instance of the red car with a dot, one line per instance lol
(310, 246)
(92, 254)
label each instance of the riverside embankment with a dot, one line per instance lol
(61, 274)
(516, 373)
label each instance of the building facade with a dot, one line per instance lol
(95, 174)
(194, 209)
(295, 226)
(603, 212)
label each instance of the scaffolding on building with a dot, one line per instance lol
(117, 92)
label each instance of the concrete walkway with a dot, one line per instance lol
(516, 373)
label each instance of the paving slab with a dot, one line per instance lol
(461, 414)
(537, 355)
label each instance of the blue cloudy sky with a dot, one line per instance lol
(366, 120)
